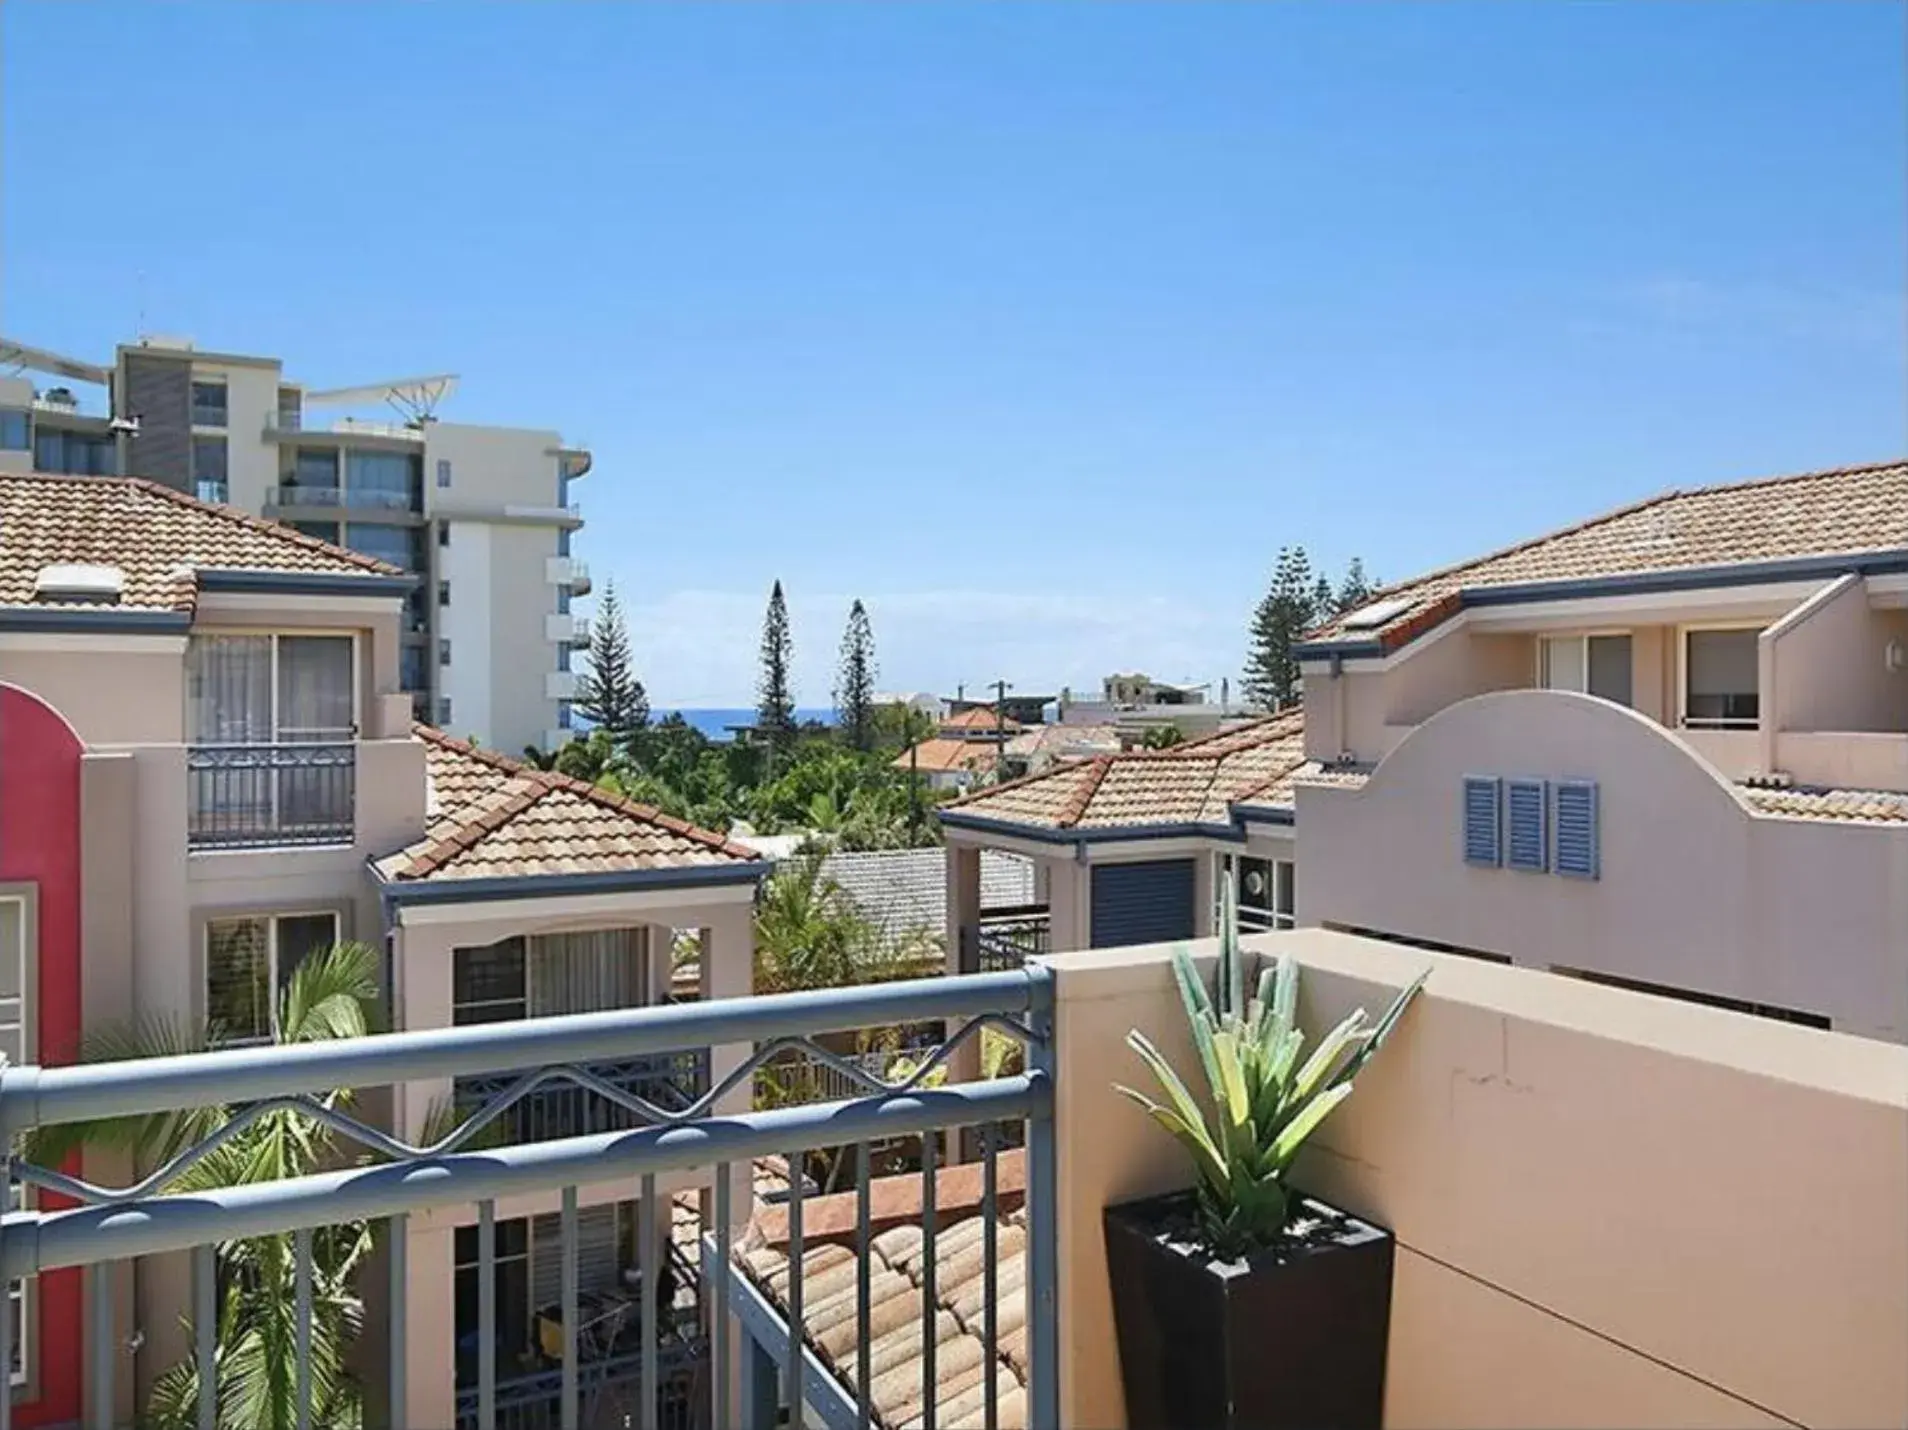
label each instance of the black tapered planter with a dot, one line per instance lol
(1291, 1339)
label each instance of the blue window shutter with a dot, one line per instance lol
(1481, 842)
(1526, 821)
(1577, 832)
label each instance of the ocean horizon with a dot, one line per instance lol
(714, 721)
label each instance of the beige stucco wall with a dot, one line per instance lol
(1829, 670)
(1696, 892)
(1590, 1228)
(423, 957)
(112, 690)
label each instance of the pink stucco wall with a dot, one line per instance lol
(1696, 891)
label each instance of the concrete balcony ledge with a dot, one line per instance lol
(1577, 1179)
(1844, 759)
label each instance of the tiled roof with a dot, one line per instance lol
(493, 817)
(157, 537)
(1194, 783)
(981, 717)
(897, 1285)
(1842, 512)
(903, 890)
(1063, 740)
(1865, 806)
(937, 756)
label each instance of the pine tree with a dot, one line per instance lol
(854, 682)
(1324, 603)
(609, 695)
(774, 703)
(1355, 589)
(1279, 623)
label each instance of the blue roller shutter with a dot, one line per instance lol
(1151, 902)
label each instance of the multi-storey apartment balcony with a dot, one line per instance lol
(303, 500)
(271, 795)
(567, 572)
(560, 684)
(1525, 1279)
(562, 628)
(272, 741)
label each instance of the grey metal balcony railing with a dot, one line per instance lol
(264, 796)
(106, 1225)
(1009, 939)
(671, 1081)
(349, 498)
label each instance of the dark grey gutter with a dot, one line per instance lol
(551, 886)
(1636, 583)
(1098, 834)
(1263, 813)
(95, 620)
(306, 583)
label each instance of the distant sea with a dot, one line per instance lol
(715, 723)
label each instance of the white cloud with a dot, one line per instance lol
(701, 648)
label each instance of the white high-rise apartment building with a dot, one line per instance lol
(482, 515)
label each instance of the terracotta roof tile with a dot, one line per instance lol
(897, 1287)
(157, 537)
(1194, 783)
(1841, 512)
(1861, 805)
(937, 756)
(981, 717)
(494, 817)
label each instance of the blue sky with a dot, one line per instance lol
(1038, 327)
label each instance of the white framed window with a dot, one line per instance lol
(270, 689)
(443, 471)
(248, 962)
(1719, 677)
(209, 404)
(1597, 665)
(443, 650)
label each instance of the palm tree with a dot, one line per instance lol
(333, 993)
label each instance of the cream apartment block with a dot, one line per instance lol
(481, 516)
(1668, 748)
(209, 768)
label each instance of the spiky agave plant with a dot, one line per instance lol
(1265, 1101)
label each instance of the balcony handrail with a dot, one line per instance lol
(34, 1243)
(33, 1096)
(111, 1225)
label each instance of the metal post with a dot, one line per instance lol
(652, 1261)
(570, 1407)
(301, 1293)
(990, 1280)
(1043, 1262)
(864, 1246)
(486, 1315)
(205, 1331)
(400, 1231)
(720, 1331)
(99, 1290)
(792, 1388)
(930, 1308)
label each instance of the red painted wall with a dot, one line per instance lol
(40, 844)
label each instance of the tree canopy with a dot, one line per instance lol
(775, 698)
(1296, 601)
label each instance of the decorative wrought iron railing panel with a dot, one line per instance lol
(268, 796)
(378, 1181)
(1006, 943)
